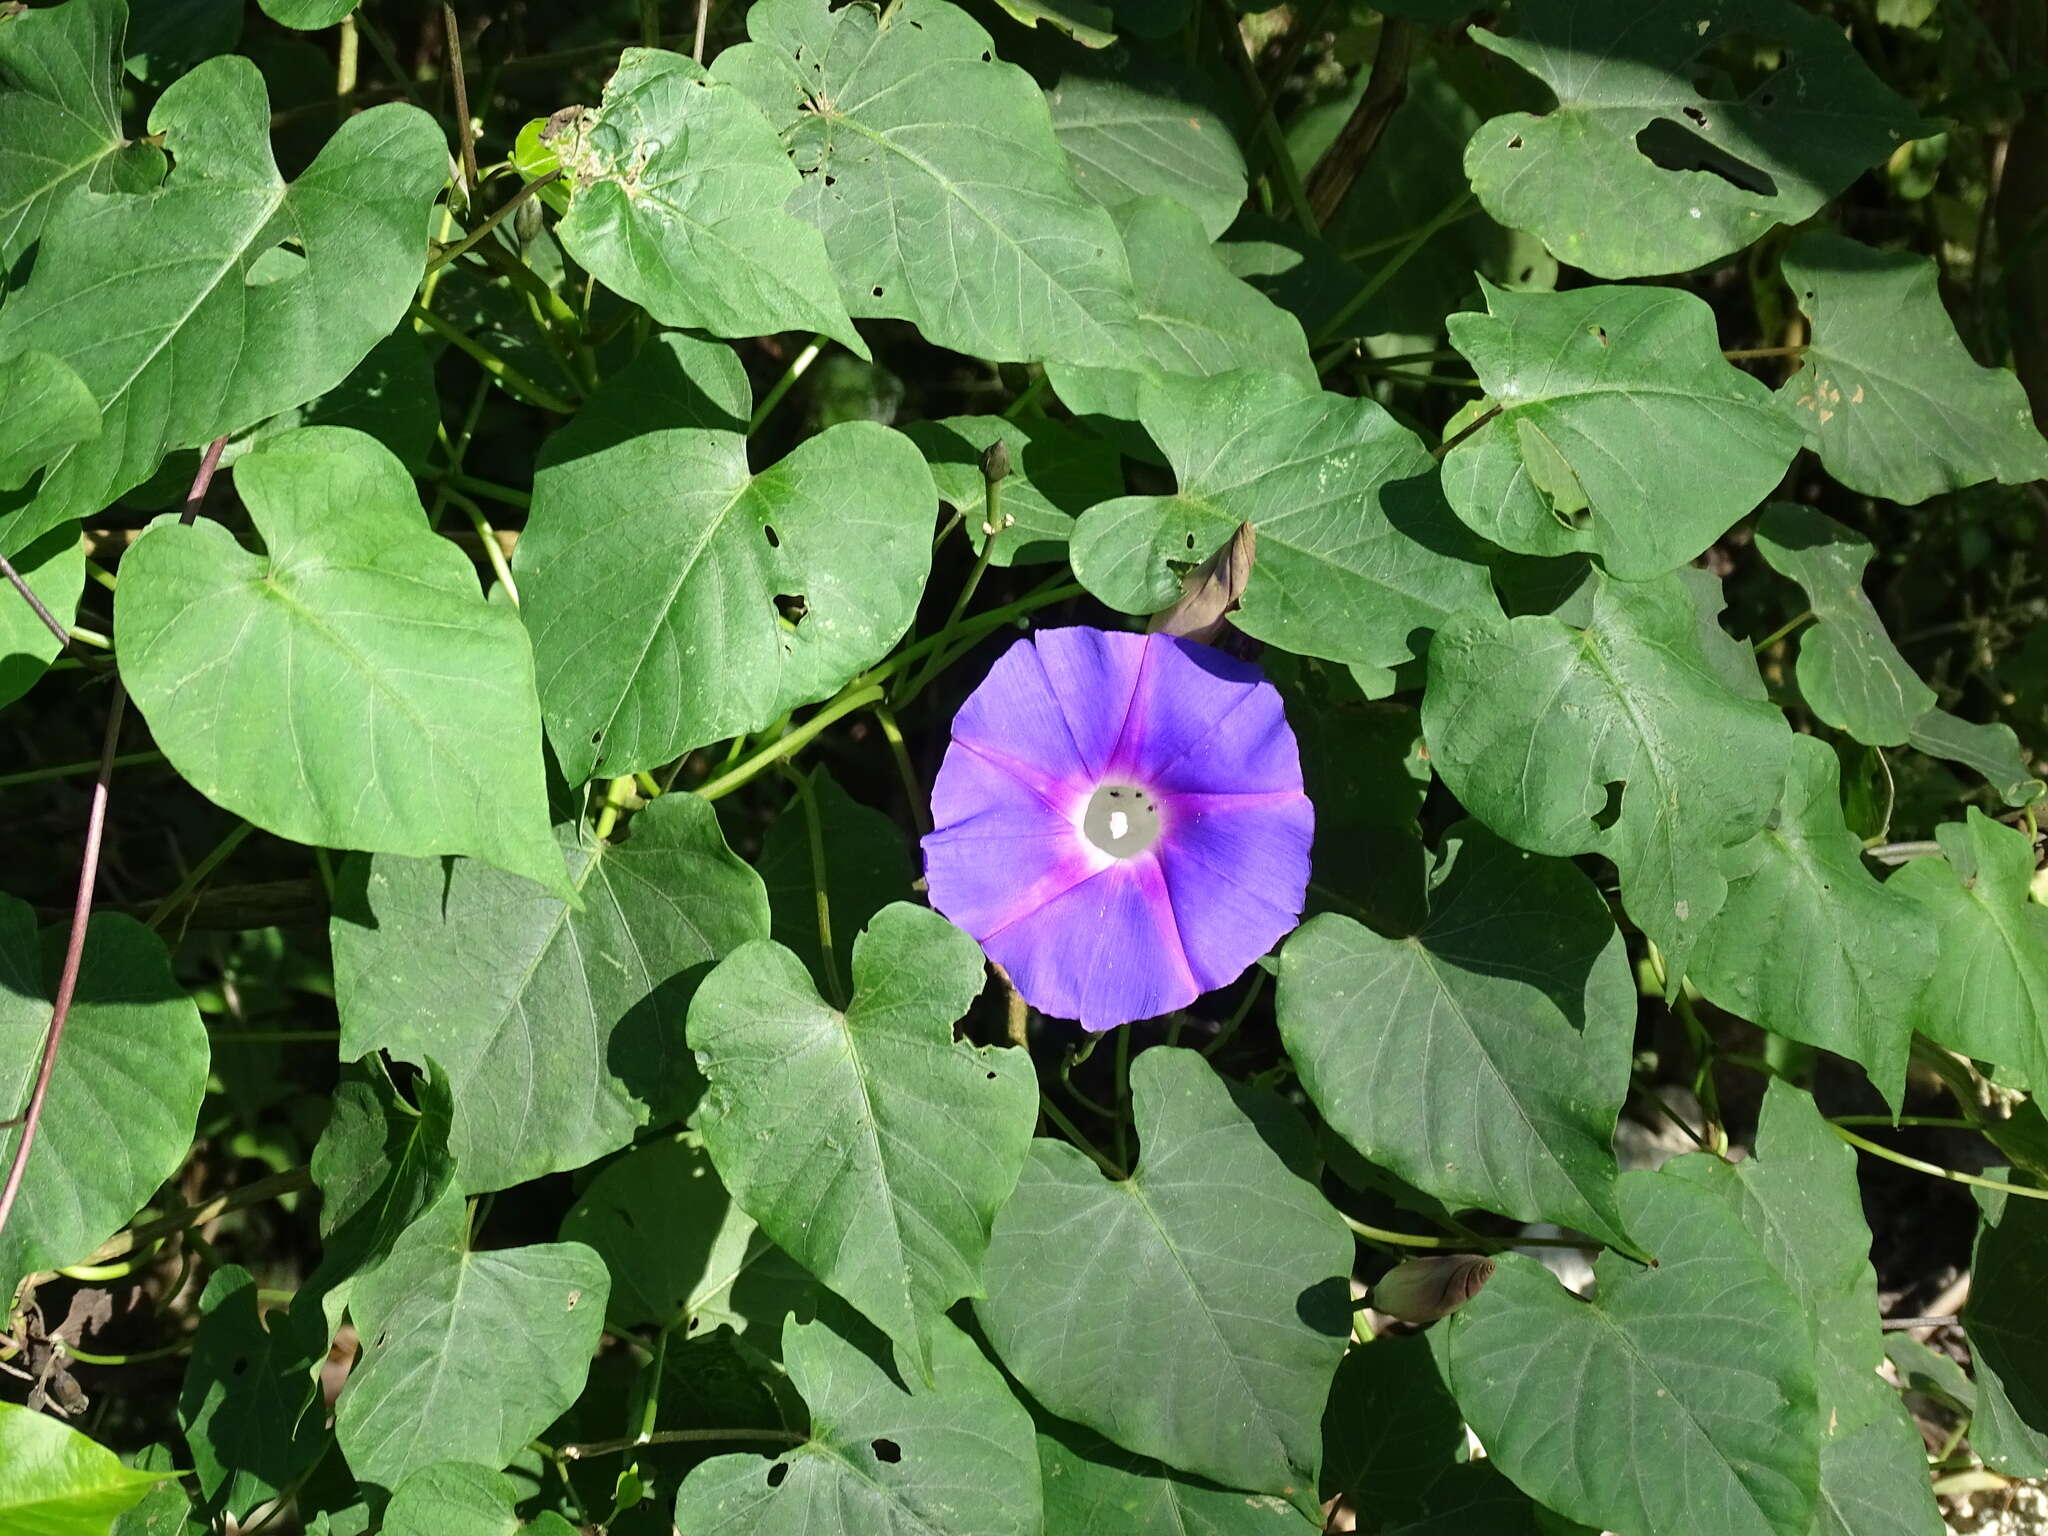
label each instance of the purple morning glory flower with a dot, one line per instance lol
(1120, 822)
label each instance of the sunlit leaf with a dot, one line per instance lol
(771, 589)
(1132, 138)
(1639, 170)
(1357, 550)
(1810, 944)
(1621, 432)
(1614, 738)
(1095, 1488)
(239, 294)
(58, 1482)
(1886, 392)
(680, 184)
(350, 687)
(966, 221)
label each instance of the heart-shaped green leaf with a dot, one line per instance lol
(760, 592)
(350, 687)
(867, 1142)
(58, 1482)
(1483, 1060)
(1129, 138)
(1620, 432)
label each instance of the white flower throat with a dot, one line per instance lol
(1122, 820)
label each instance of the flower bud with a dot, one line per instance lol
(1423, 1290)
(995, 461)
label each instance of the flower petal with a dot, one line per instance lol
(1205, 722)
(1105, 952)
(1014, 715)
(1094, 674)
(1001, 848)
(1237, 872)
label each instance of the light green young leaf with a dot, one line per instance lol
(350, 688)
(1850, 672)
(1483, 1060)
(867, 1142)
(1991, 750)
(1638, 170)
(60, 125)
(1810, 944)
(1094, 1487)
(54, 569)
(2008, 1333)
(1193, 316)
(953, 1456)
(1357, 550)
(1702, 1368)
(436, 1320)
(867, 866)
(1057, 472)
(681, 1254)
(453, 1498)
(1222, 1371)
(1988, 996)
(119, 1115)
(1538, 727)
(680, 184)
(46, 410)
(560, 1028)
(1621, 432)
(774, 588)
(1129, 139)
(58, 1482)
(379, 1165)
(932, 169)
(1887, 393)
(246, 1402)
(227, 294)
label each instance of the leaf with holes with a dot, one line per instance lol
(1223, 1368)
(59, 1483)
(1850, 673)
(951, 1456)
(239, 294)
(867, 1142)
(680, 184)
(1619, 431)
(60, 122)
(680, 1252)
(965, 221)
(1702, 1367)
(1357, 550)
(248, 1402)
(1638, 170)
(54, 569)
(1135, 137)
(1483, 1060)
(1886, 392)
(560, 1028)
(431, 1384)
(1988, 995)
(1057, 472)
(350, 687)
(119, 1115)
(1193, 316)
(1610, 738)
(1809, 943)
(756, 593)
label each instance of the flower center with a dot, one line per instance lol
(1122, 820)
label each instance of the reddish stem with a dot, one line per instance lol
(49, 619)
(88, 876)
(74, 953)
